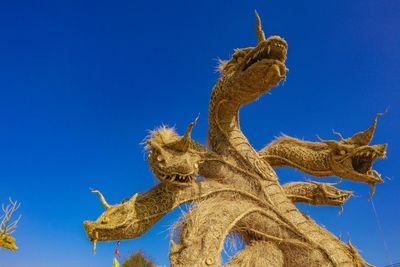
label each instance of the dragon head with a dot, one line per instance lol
(259, 68)
(117, 222)
(7, 242)
(172, 157)
(316, 193)
(329, 194)
(353, 157)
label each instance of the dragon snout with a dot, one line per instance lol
(89, 228)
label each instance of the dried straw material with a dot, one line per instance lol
(234, 189)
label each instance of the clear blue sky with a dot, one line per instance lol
(81, 82)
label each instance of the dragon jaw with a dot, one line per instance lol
(356, 163)
(257, 68)
(350, 158)
(116, 222)
(330, 195)
(317, 193)
(272, 49)
(171, 157)
(353, 157)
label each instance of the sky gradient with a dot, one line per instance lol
(82, 82)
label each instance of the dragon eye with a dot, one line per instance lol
(342, 152)
(159, 158)
(105, 220)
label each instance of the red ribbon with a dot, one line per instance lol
(116, 252)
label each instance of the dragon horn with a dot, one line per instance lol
(259, 31)
(183, 143)
(365, 137)
(102, 199)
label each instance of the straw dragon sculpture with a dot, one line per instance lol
(239, 192)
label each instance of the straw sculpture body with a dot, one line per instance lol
(239, 192)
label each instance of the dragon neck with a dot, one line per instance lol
(224, 134)
(311, 158)
(224, 127)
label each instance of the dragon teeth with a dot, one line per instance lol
(178, 178)
(366, 154)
